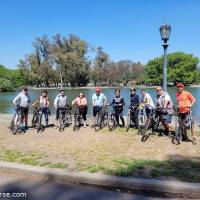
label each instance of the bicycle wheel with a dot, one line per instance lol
(40, 127)
(10, 126)
(141, 123)
(34, 120)
(178, 131)
(68, 118)
(16, 124)
(76, 124)
(146, 131)
(105, 120)
(98, 123)
(128, 121)
(112, 122)
(156, 123)
(60, 122)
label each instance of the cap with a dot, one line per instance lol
(98, 89)
(180, 85)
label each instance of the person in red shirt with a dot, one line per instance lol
(185, 102)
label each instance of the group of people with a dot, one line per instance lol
(163, 104)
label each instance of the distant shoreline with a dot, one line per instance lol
(90, 87)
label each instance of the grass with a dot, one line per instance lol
(58, 165)
(16, 156)
(33, 159)
(185, 170)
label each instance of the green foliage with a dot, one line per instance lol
(10, 79)
(182, 67)
(5, 85)
(56, 59)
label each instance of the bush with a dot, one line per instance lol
(5, 85)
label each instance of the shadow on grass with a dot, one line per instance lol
(175, 167)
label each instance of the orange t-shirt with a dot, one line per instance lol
(184, 100)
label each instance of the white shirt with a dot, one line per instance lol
(60, 101)
(99, 100)
(22, 100)
(162, 99)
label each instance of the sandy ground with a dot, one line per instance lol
(87, 147)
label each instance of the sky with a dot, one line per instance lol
(126, 29)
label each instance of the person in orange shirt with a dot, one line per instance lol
(81, 103)
(185, 102)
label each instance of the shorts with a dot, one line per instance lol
(149, 112)
(184, 116)
(186, 119)
(96, 110)
(167, 118)
(24, 110)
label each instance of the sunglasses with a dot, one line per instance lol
(158, 90)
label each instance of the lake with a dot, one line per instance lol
(6, 98)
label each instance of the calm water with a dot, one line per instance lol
(6, 98)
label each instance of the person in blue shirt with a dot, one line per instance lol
(118, 104)
(98, 100)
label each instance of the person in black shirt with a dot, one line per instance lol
(118, 103)
(134, 104)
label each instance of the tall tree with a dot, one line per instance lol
(182, 67)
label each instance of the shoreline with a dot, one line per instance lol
(90, 87)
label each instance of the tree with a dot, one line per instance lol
(6, 85)
(70, 56)
(99, 71)
(182, 67)
(62, 56)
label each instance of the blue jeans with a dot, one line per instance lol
(45, 112)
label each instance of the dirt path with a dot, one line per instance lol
(86, 147)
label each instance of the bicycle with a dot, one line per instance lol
(142, 118)
(112, 121)
(104, 118)
(15, 125)
(181, 125)
(64, 118)
(37, 120)
(149, 126)
(78, 120)
(159, 117)
(132, 118)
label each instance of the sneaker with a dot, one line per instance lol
(84, 125)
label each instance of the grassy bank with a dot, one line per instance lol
(185, 170)
(118, 153)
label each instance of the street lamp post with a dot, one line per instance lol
(165, 34)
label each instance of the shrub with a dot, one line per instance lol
(5, 85)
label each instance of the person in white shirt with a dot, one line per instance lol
(60, 103)
(147, 101)
(22, 103)
(164, 107)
